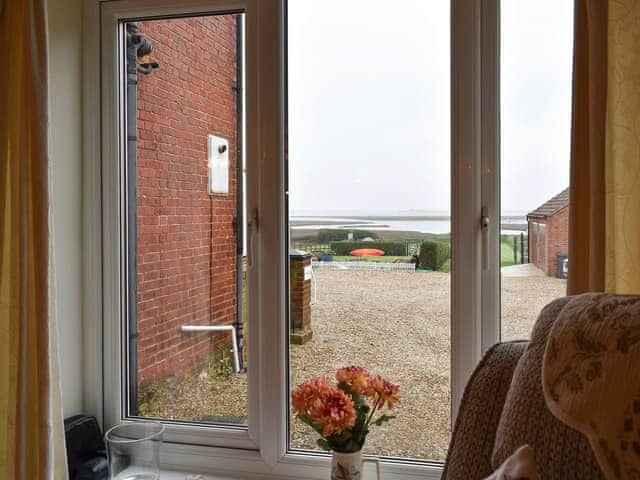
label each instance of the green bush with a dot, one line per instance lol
(446, 266)
(327, 235)
(220, 362)
(396, 249)
(433, 254)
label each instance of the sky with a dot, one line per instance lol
(369, 104)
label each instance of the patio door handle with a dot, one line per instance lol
(485, 222)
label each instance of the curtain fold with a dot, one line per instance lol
(604, 224)
(31, 441)
(587, 192)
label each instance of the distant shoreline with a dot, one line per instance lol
(309, 233)
(364, 219)
(372, 222)
(378, 217)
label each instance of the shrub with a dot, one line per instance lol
(396, 249)
(446, 266)
(327, 235)
(433, 254)
(220, 362)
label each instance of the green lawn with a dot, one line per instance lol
(506, 257)
(506, 249)
(506, 254)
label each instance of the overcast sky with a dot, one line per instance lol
(369, 102)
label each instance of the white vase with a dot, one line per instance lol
(348, 466)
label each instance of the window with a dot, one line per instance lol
(185, 317)
(175, 188)
(236, 137)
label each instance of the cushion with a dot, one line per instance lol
(591, 377)
(519, 466)
(561, 451)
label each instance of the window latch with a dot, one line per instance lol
(252, 227)
(484, 226)
(484, 219)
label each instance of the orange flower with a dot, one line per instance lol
(357, 378)
(303, 396)
(333, 412)
(383, 391)
(325, 405)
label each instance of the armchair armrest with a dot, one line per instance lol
(471, 446)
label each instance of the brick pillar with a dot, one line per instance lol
(300, 295)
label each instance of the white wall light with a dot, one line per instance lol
(218, 153)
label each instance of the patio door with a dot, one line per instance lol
(371, 223)
(369, 209)
(410, 177)
(531, 241)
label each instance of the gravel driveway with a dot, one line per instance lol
(393, 323)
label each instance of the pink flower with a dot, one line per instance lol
(383, 391)
(357, 378)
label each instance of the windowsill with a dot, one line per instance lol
(174, 475)
(170, 475)
(182, 475)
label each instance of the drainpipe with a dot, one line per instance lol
(137, 46)
(239, 91)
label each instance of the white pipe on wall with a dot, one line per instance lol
(219, 328)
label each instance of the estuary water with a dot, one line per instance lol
(403, 224)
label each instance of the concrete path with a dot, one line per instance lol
(524, 270)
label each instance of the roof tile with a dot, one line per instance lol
(552, 205)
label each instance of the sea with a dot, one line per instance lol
(435, 225)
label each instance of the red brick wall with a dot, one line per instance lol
(543, 248)
(537, 243)
(186, 257)
(300, 298)
(557, 238)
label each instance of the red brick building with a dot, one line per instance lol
(187, 246)
(549, 233)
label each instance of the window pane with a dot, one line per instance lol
(536, 67)
(186, 315)
(369, 169)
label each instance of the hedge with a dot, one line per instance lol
(446, 266)
(396, 249)
(327, 235)
(433, 254)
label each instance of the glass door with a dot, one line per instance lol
(369, 192)
(536, 46)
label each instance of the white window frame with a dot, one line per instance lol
(475, 187)
(261, 449)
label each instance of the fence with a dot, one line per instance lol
(520, 245)
(411, 246)
(367, 266)
(313, 248)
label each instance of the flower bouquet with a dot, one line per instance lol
(343, 413)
